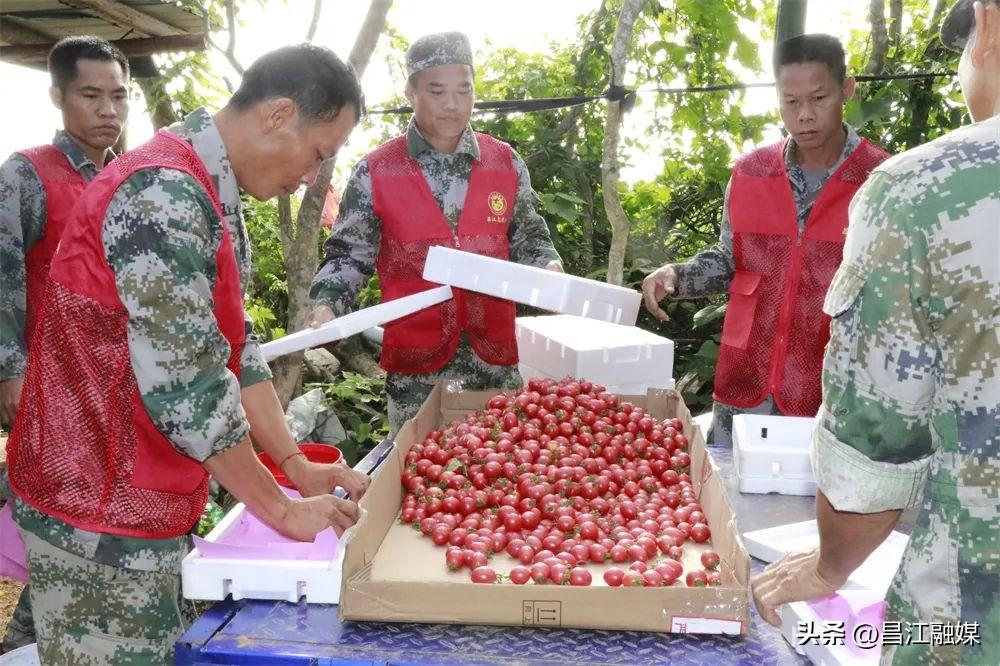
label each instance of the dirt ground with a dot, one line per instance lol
(9, 592)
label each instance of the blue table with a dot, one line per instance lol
(266, 632)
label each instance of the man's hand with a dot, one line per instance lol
(307, 517)
(658, 285)
(795, 577)
(320, 315)
(10, 398)
(313, 479)
(556, 266)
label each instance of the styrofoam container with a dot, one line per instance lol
(611, 354)
(527, 373)
(355, 322)
(771, 454)
(875, 573)
(215, 578)
(548, 290)
(828, 655)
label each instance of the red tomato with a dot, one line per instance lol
(614, 577)
(700, 533)
(520, 575)
(710, 559)
(483, 575)
(696, 579)
(580, 577)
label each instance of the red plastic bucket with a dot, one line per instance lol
(317, 453)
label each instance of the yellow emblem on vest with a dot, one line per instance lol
(497, 203)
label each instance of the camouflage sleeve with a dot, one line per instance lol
(872, 443)
(349, 252)
(711, 271)
(253, 367)
(22, 222)
(530, 242)
(161, 233)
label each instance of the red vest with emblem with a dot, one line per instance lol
(84, 449)
(63, 186)
(775, 330)
(412, 222)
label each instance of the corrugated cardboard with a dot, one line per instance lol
(391, 573)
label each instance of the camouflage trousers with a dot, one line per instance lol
(90, 613)
(408, 392)
(721, 432)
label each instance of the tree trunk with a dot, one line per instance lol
(301, 254)
(880, 38)
(612, 127)
(895, 22)
(161, 113)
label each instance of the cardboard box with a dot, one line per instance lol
(392, 573)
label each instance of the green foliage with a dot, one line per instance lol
(267, 293)
(360, 404)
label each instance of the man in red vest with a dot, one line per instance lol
(144, 377)
(441, 183)
(783, 229)
(38, 188)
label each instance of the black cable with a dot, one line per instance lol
(627, 96)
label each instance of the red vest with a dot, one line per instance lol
(775, 330)
(412, 222)
(84, 448)
(63, 186)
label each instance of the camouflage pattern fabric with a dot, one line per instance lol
(443, 48)
(22, 224)
(160, 235)
(92, 613)
(408, 392)
(710, 272)
(353, 245)
(911, 381)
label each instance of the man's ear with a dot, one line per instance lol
(276, 114)
(985, 41)
(55, 94)
(848, 87)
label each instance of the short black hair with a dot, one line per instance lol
(63, 57)
(320, 83)
(824, 49)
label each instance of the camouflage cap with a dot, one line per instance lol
(442, 48)
(958, 24)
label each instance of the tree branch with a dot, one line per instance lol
(880, 39)
(612, 125)
(314, 22)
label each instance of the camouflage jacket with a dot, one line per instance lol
(22, 224)
(160, 237)
(711, 271)
(911, 381)
(353, 244)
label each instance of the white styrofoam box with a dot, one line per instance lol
(527, 372)
(355, 322)
(771, 454)
(278, 579)
(875, 573)
(548, 290)
(604, 352)
(829, 655)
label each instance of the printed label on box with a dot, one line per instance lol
(542, 613)
(681, 624)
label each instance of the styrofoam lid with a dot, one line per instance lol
(583, 333)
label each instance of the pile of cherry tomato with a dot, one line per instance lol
(560, 475)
